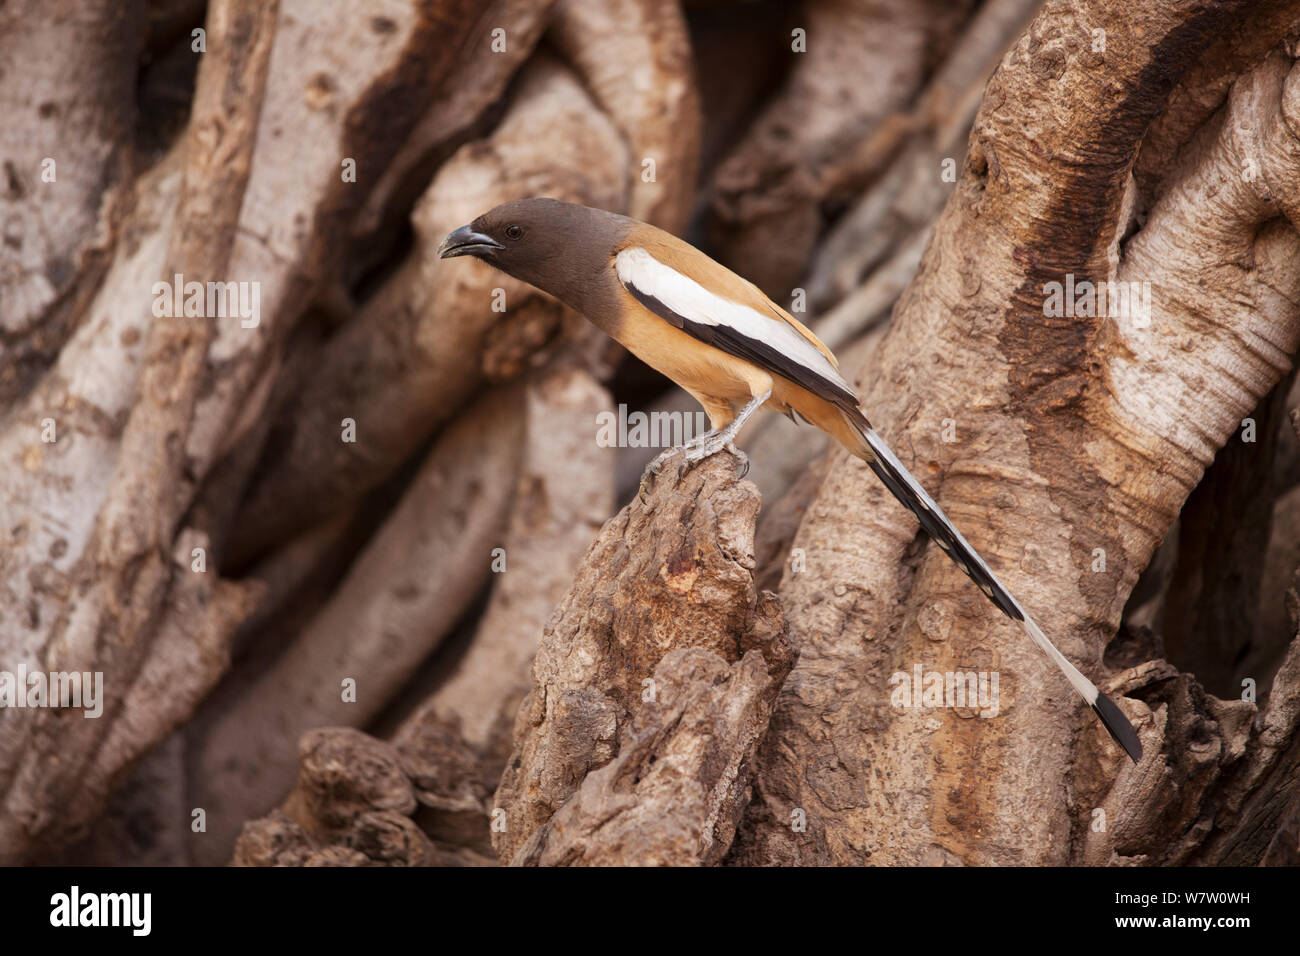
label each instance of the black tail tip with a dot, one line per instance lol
(1114, 720)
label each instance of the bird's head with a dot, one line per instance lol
(553, 245)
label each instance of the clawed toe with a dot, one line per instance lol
(652, 471)
(712, 448)
(740, 456)
(693, 452)
(744, 460)
(647, 480)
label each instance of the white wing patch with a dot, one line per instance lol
(683, 295)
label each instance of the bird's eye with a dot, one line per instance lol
(514, 232)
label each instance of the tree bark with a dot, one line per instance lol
(1078, 436)
(128, 610)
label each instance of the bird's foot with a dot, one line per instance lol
(695, 450)
(652, 472)
(693, 446)
(656, 465)
(722, 441)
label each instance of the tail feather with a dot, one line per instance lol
(909, 492)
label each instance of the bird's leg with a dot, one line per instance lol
(715, 442)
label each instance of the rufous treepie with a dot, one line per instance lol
(728, 345)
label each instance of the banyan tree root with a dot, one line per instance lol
(563, 493)
(871, 56)
(1064, 444)
(902, 202)
(252, 191)
(357, 800)
(69, 91)
(400, 597)
(655, 106)
(126, 571)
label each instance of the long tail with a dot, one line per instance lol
(936, 524)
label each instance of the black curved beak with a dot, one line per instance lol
(466, 242)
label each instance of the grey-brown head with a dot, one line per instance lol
(559, 247)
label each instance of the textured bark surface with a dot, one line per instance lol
(1089, 431)
(69, 76)
(674, 573)
(102, 608)
(563, 492)
(356, 800)
(766, 211)
(676, 791)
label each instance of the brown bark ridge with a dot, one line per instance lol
(870, 59)
(563, 494)
(656, 106)
(69, 107)
(657, 671)
(356, 799)
(1078, 439)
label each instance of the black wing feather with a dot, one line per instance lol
(765, 356)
